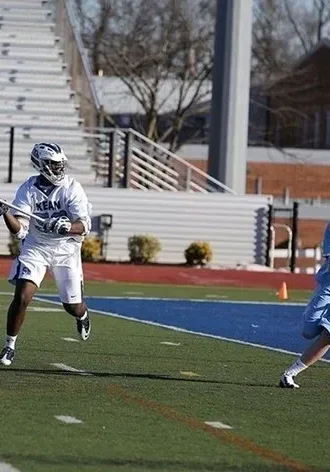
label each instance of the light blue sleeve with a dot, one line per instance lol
(326, 242)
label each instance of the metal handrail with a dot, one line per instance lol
(74, 23)
(122, 131)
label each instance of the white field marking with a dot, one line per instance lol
(68, 419)
(71, 340)
(196, 333)
(4, 467)
(192, 300)
(40, 308)
(218, 425)
(68, 368)
(210, 295)
(133, 293)
(189, 374)
(168, 343)
(37, 308)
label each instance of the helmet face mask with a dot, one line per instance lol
(50, 161)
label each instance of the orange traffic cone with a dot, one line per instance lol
(283, 292)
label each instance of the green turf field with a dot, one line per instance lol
(143, 405)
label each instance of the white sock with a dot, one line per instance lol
(10, 341)
(84, 316)
(296, 368)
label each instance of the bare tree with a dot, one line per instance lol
(284, 30)
(162, 51)
(290, 89)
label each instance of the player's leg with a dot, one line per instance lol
(69, 281)
(316, 324)
(26, 275)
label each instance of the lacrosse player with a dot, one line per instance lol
(55, 244)
(316, 321)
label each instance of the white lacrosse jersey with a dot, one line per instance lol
(67, 199)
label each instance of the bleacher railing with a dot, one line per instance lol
(76, 59)
(126, 158)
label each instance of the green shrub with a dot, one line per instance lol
(143, 248)
(198, 253)
(91, 249)
(13, 246)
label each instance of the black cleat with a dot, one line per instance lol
(84, 327)
(7, 356)
(287, 381)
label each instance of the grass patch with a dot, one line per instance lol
(139, 412)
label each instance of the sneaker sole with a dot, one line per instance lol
(5, 362)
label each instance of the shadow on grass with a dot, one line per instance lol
(130, 375)
(143, 464)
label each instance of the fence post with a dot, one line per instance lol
(188, 179)
(127, 159)
(112, 159)
(294, 236)
(11, 155)
(269, 235)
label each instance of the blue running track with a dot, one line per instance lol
(268, 324)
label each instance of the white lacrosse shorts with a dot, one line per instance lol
(63, 262)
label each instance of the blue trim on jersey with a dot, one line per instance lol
(45, 189)
(18, 269)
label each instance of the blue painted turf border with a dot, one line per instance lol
(272, 326)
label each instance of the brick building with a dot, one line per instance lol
(289, 141)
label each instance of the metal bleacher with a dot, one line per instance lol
(36, 97)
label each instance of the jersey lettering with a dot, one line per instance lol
(47, 205)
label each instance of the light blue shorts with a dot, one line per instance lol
(317, 313)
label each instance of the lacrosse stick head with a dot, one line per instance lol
(50, 161)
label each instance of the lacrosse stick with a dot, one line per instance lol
(26, 213)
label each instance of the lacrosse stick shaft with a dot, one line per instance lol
(26, 213)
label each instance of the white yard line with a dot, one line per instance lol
(196, 333)
(4, 467)
(218, 425)
(68, 368)
(68, 419)
(168, 343)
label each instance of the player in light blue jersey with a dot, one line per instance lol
(54, 245)
(316, 321)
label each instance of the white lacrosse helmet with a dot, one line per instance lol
(50, 161)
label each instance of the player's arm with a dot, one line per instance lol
(79, 227)
(80, 210)
(17, 225)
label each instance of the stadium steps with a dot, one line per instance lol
(38, 107)
(32, 95)
(34, 68)
(35, 82)
(35, 93)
